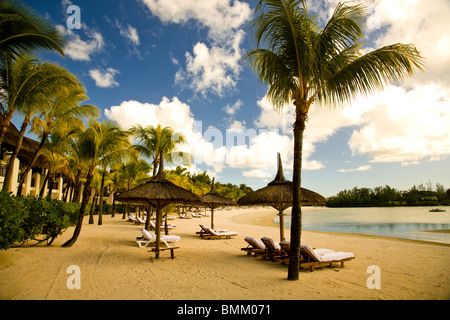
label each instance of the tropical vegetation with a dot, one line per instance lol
(309, 65)
(387, 196)
(24, 219)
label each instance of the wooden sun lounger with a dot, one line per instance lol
(212, 234)
(273, 250)
(204, 231)
(317, 258)
(254, 246)
(322, 257)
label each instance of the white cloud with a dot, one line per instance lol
(79, 49)
(221, 17)
(212, 70)
(211, 67)
(405, 126)
(104, 78)
(231, 109)
(361, 168)
(130, 33)
(424, 23)
(237, 147)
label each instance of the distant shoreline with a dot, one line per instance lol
(264, 217)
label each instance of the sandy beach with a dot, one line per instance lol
(112, 265)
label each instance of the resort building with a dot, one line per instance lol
(35, 180)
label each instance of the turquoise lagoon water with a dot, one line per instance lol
(397, 222)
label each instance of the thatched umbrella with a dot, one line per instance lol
(213, 200)
(279, 195)
(159, 193)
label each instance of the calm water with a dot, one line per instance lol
(398, 222)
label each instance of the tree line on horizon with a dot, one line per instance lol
(386, 196)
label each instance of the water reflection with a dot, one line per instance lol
(400, 222)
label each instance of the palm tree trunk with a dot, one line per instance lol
(6, 120)
(113, 211)
(86, 195)
(91, 214)
(41, 193)
(50, 186)
(296, 218)
(10, 168)
(28, 168)
(100, 208)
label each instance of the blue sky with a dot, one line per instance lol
(178, 63)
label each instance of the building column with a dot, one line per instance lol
(37, 183)
(60, 187)
(15, 177)
(27, 187)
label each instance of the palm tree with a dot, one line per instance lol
(23, 31)
(102, 143)
(30, 85)
(304, 64)
(154, 140)
(62, 110)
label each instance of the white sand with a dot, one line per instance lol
(114, 267)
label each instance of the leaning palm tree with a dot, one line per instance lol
(30, 86)
(156, 140)
(305, 65)
(102, 143)
(61, 110)
(23, 31)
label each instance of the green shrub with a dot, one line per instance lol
(32, 218)
(12, 214)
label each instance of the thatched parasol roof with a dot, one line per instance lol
(213, 200)
(279, 194)
(159, 193)
(280, 191)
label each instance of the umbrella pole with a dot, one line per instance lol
(281, 225)
(158, 230)
(212, 217)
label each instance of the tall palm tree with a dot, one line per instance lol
(304, 64)
(156, 140)
(102, 143)
(30, 86)
(62, 110)
(23, 31)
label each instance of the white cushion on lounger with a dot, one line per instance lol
(255, 242)
(332, 256)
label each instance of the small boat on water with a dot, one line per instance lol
(437, 210)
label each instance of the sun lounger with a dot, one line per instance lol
(149, 238)
(213, 234)
(153, 226)
(139, 221)
(273, 249)
(204, 231)
(254, 246)
(131, 218)
(317, 258)
(196, 215)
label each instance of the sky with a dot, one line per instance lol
(179, 63)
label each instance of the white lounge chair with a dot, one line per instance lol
(254, 246)
(316, 258)
(148, 238)
(212, 234)
(153, 225)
